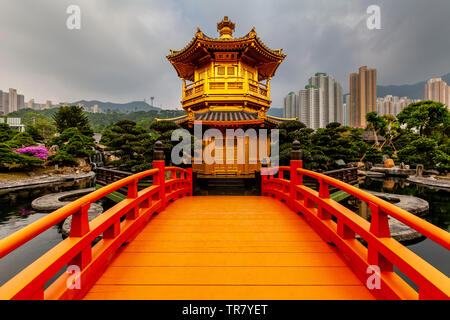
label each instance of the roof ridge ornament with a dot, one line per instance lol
(225, 28)
(199, 33)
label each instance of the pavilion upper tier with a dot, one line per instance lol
(226, 73)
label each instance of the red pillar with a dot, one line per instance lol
(296, 163)
(158, 163)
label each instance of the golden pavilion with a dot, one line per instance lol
(226, 85)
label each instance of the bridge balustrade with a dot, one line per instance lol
(340, 226)
(80, 253)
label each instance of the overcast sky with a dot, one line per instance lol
(120, 52)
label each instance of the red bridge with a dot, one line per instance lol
(292, 242)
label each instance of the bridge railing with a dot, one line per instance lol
(82, 254)
(340, 226)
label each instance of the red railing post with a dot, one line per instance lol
(158, 163)
(296, 163)
(78, 228)
(264, 177)
(190, 179)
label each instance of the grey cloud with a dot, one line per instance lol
(119, 54)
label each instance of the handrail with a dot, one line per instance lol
(427, 229)
(22, 236)
(382, 251)
(77, 249)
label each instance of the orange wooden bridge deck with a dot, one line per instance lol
(223, 247)
(290, 243)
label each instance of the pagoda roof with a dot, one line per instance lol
(186, 60)
(228, 118)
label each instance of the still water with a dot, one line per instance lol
(16, 213)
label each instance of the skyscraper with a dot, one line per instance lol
(312, 107)
(5, 102)
(437, 89)
(12, 100)
(290, 106)
(363, 95)
(332, 98)
(20, 101)
(346, 110)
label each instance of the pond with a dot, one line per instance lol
(16, 213)
(439, 215)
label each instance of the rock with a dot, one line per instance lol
(432, 182)
(389, 163)
(340, 162)
(53, 201)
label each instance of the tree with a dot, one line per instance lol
(128, 142)
(6, 133)
(426, 151)
(10, 160)
(33, 131)
(72, 117)
(22, 139)
(425, 116)
(378, 126)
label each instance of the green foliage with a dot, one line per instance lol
(163, 126)
(425, 116)
(62, 158)
(22, 139)
(6, 133)
(427, 152)
(321, 149)
(75, 143)
(72, 117)
(129, 142)
(10, 160)
(34, 133)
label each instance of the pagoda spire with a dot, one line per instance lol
(225, 28)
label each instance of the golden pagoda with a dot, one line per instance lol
(226, 84)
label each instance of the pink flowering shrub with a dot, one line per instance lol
(37, 152)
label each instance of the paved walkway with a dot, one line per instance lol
(228, 247)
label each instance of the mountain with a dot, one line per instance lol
(412, 91)
(119, 107)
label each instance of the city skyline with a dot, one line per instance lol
(111, 61)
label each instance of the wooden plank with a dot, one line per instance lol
(230, 276)
(142, 259)
(226, 246)
(230, 236)
(155, 292)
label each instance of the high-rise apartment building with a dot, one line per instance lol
(12, 100)
(319, 104)
(437, 89)
(290, 109)
(20, 101)
(392, 105)
(5, 102)
(346, 113)
(311, 103)
(363, 95)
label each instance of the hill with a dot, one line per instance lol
(412, 91)
(132, 106)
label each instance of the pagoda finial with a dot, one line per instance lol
(225, 28)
